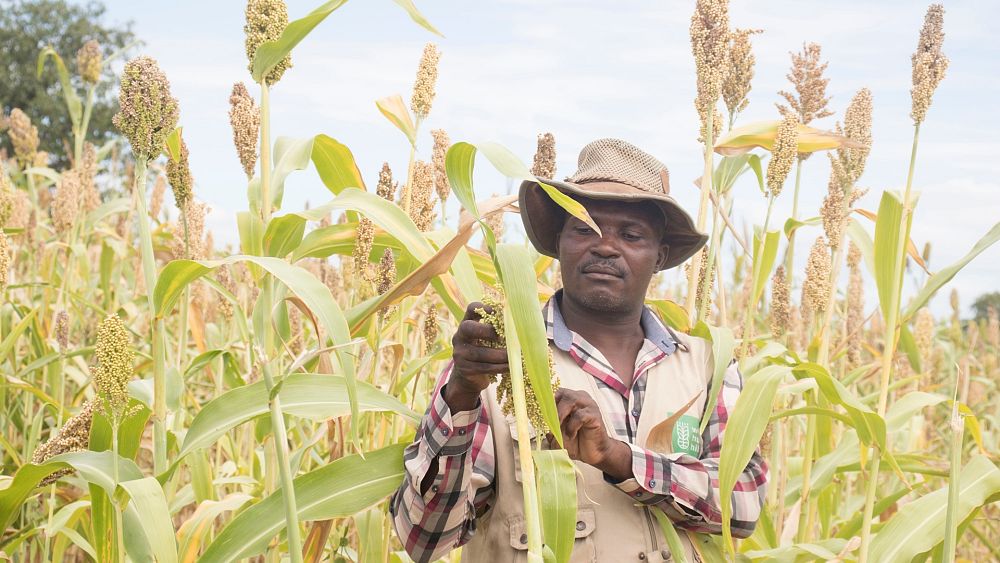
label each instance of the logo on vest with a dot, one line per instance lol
(686, 438)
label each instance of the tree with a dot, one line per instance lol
(26, 26)
(983, 303)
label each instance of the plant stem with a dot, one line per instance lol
(185, 301)
(705, 282)
(889, 339)
(284, 469)
(790, 249)
(803, 534)
(757, 257)
(119, 531)
(158, 348)
(81, 134)
(532, 515)
(706, 187)
(265, 152)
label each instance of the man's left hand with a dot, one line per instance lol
(585, 437)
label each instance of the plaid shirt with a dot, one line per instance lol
(685, 487)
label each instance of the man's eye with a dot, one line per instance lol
(584, 230)
(632, 236)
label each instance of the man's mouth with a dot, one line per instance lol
(602, 271)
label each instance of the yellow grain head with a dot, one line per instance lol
(739, 70)
(422, 209)
(7, 198)
(115, 366)
(929, 63)
(88, 62)
(923, 335)
(6, 259)
(60, 329)
(430, 329)
(66, 201)
(386, 278)
(855, 306)
(266, 20)
(179, 177)
(441, 145)
(156, 200)
(833, 212)
(74, 436)
(783, 154)
(244, 118)
(364, 239)
(23, 136)
(544, 165)
(148, 112)
(816, 288)
(780, 303)
(710, 46)
(809, 100)
(423, 87)
(90, 198)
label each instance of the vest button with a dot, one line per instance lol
(524, 538)
(635, 413)
(666, 555)
(580, 526)
(642, 556)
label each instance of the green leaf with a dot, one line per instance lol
(73, 103)
(521, 290)
(672, 313)
(823, 550)
(860, 237)
(147, 510)
(671, 535)
(723, 346)
(270, 53)
(919, 524)
(173, 144)
(887, 248)
(394, 109)
(942, 277)
(117, 205)
(314, 396)
(335, 164)
(754, 164)
(556, 477)
(417, 16)
(763, 262)
(289, 155)
(868, 424)
(729, 169)
(176, 275)
(283, 235)
(459, 164)
(746, 425)
(341, 488)
(792, 225)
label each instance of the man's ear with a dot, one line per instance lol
(662, 256)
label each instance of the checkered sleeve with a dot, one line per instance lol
(687, 488)
(432, 524)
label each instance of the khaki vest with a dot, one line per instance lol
(610, 525)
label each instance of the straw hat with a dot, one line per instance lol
(611, 169)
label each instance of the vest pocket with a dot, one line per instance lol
(583, 546)
(512, 427)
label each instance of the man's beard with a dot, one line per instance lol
(601, 300)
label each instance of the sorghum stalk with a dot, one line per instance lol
(706, 187)
(790, 249)
(284, 468)
(929, 65)
(957, 424)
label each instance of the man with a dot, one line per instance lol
(621, 371)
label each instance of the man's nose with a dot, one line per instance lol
(606, 246)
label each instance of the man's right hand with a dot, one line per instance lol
(475, 365)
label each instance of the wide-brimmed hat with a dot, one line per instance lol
(611, 169)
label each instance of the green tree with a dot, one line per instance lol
(26, 26)
(983, 303)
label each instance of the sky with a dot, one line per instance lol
(583, 70)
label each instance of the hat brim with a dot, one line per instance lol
(540, 216)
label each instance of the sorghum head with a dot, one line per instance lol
(244, 117)
(544, 165)
(88, 62)
(929, 63)
(423, 87)
(266, 20)
(148, 112)
(786, 145)
(115, 365)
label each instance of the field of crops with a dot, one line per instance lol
(163, 398)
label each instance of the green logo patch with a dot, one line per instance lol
(686, 437)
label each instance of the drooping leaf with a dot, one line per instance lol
(723, 346)
(341, 488)
(394, 109)
(313, 396)
(147, 512)
(671, 535)
(335, 164)
(73, 103)
(415, 14)
(762, 134)
(919, 524)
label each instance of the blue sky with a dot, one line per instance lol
(583, 70)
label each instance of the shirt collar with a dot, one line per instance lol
(557, 331)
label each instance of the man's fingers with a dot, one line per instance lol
(472, 331)
(481, 354)
(471, 369)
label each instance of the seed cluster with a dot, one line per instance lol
(929, 63)
(148, 111)
(7, 199)
(423, 87)
(66, 201)
(115, 365)
(492, 314)
(855, 305)
(810, 100)
(816, 288)
(710, 46)
(780, 302)
(386, 278)
(430, 329)
(244, 118)
(786, 146)
(88, 62)
(179, 176)
(6, 258)
(365, 237)
(266, 20)
(74, 436)
(422, 205)
(739, 70)
(441, 144)
(544, 165)
(90, 198)
(23, 136)
(385, 189)
(60, 329)
(833, 212)
(848, 163)
(156, 200)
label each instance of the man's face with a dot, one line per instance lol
(611, 273)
